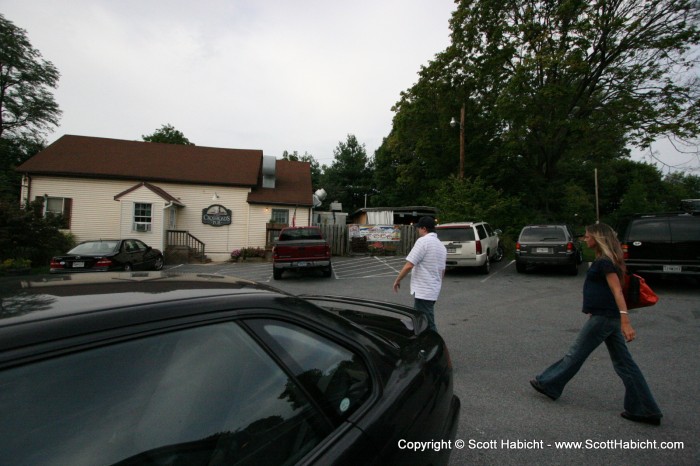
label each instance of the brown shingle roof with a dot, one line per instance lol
(293, 186)
(83, 156)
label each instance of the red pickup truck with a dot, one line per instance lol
(301, 248)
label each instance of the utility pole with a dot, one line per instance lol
(453, 123)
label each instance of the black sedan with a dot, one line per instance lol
(158, 368)
(108, 255)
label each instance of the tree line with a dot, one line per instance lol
(552, 92)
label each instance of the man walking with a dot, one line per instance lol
(427, 261)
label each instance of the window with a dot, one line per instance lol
(206, 395)
(142, 217)
(58, 206)
(456, 234)
(280, 216)
(337, 378)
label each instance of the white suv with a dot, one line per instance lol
(470, 244)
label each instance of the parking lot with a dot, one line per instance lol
(504, 328)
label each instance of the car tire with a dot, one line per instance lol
(520, 267)
(499, 253)
(486, 268)
(158, 264)
(328, 271)
(128, 267)
(277, 274)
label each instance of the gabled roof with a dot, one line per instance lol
(292, 186)
(159, 191)
(91, 157)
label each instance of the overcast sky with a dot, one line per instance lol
(274, 75)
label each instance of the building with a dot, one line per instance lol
(167, 194)
(407, 215)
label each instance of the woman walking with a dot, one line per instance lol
(608, 322)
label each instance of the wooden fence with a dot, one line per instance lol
(339, 240)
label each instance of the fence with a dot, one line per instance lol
(339, 240)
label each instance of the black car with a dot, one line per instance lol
(662, 243)
(158, 368)
(108, 255)
(548, 245)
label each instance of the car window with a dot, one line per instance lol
(482, 232)
(489, 230)
(456, 234)
(94, 247)
(542, 234)
(649, 229)
(336, 375)
(208, 395)
(685, 229)
(140, 245)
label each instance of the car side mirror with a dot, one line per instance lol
(498, 231)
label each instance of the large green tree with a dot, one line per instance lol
(27, 106)
(348, 179)
(167, 134)
(545, 83)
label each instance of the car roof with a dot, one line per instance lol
(457, 224)
(45, 307)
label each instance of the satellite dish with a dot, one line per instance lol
(319, 196)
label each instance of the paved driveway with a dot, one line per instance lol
(503, 328)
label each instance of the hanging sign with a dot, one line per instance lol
(216, 215)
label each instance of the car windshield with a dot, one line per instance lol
(456, 234)
(543, 234)
(95, 247)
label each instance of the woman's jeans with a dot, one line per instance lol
(638, 398)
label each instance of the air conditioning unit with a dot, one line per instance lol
(142, 227)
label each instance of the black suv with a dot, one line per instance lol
(548, 245)
(662, 243)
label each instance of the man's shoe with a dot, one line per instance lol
(653, 420)
(536, 385)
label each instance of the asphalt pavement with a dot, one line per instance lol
(504, 328)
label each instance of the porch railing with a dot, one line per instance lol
(184, 238)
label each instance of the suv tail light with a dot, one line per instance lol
(625, 251)
(570, 247)
(478, 247)
(517, 246)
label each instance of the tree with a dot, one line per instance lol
(167, 134)
(543, 83)
(349, 177)
(27, 107)
(315, 166)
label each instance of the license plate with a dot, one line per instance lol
(77, 265)
(451, 250)
(542, 250)
(302, 264)
(673, 268)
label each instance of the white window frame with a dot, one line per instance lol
(279, 212)
(143, 220)
(53, 198)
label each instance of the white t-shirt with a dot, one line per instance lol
(428, 257)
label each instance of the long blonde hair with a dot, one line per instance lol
(607, 245)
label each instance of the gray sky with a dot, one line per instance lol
(250, 74)
(275, 75)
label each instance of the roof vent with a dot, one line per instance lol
(268, 171)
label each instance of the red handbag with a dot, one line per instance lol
(637, 292)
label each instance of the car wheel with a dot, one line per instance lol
(328, 271)
(520, 267)
(277, 273)
(499, 253)
(486, 268)
(127, 268)
(158, 264)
